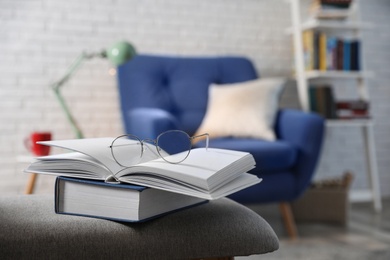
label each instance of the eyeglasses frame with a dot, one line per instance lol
(155, 143)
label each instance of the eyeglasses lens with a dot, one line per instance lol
(127, 150)
(174, 142)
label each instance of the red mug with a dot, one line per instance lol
(38, 149)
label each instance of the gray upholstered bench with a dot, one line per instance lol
(29, 229)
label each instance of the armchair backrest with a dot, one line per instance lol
(178, 85)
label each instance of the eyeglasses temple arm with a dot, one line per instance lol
(207, 139)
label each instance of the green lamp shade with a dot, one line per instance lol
(120, 52)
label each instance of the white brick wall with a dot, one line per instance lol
(378, 60)
(41, 38)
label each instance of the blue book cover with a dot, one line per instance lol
(355, 55)
(347, 55)
(118, 202)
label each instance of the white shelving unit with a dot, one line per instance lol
(315, 74)
(330, 20)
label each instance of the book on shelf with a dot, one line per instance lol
(316, 56)
(322, 51)
(120, 202)
(331, 52)
(352, 104)
(325, 52)
(355, 54)
(330, 9)
(352, 109)
(308, 49)
(348, 114)
(330, 4)
(339, 54)
(335, 3)
(207, 173)
(347, 55)
(322, 101)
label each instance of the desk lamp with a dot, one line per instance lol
(118, 54)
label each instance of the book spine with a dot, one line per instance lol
(56, 192)
(355, 55)
(330, 107)
(331, 44)
(313, 99)
(308, 49)
(352, 104)
(322, 51)
(347, 56)
(343, 114)
(339, 54)
(343, 4)
(322, 101)
(316, 47)
(305, 49)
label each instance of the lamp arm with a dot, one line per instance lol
(57, 85)
(73, 68)
(69, 116)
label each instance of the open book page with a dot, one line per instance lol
(72, 164)
(204, 168)
(243, 181)
(99, 149)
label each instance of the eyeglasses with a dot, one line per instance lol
(128, 150)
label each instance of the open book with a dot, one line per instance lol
(206, 173)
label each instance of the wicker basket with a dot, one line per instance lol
(324, 202)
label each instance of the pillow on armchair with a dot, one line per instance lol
(245, 109)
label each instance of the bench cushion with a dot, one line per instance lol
(29, 229)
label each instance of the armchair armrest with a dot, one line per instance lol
(305, 131)
(149, 122)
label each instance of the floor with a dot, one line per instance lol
(366, 236)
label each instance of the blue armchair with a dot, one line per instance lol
(160, 93)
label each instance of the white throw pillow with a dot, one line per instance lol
(245, 109)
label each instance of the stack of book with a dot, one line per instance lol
(335, 4)
(323, 102)
(326, 52)
(91, 183)
(352, 109)
(330, 9)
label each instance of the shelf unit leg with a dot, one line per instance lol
(298, 58)
(372, 167)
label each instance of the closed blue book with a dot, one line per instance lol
(119, 202)
(347, 56)
(355, 55)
